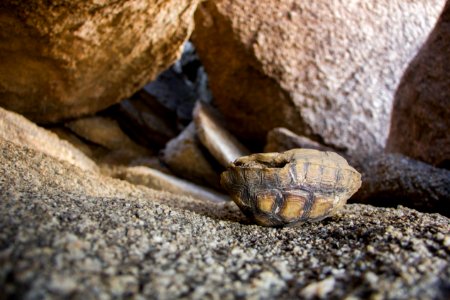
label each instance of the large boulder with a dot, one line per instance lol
(69, 58)
(421, 115)
(324, 69)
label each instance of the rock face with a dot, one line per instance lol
(393, 179)
(421, 115)
(220, 143)
(187, 158)
(66, 59)
(326, 70)
(74, 234)
(282, 139)
(146, 120)
(17, 129)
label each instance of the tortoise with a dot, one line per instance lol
(289, 188)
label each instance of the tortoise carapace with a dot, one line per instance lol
(289, 188)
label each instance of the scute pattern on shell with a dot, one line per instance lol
(278, 189)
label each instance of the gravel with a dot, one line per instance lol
(67, 233)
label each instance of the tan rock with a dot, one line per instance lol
(18, 130)
(318, 68)
(420, 126)
(65, 134)
(150, 162)
(282, 139)
(71, 58)
(220, 143)
(160, 181)
(107, 133)
(96, 152)
(187, 158)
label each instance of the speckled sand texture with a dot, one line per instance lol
(68, 233)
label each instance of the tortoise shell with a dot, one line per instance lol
(279, 189)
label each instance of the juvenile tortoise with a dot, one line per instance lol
(285, 189)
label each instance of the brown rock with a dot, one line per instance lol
(282, 139)
(326, 69)
(107, 133)
(146, 120)
(420, 126)
(393, 179)
(160, 181)
(211, 132)
(187, 158)
(18, 130)
(71, 58)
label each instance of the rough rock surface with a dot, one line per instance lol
(187, 158)
(17, 129)
(282, 139)
(388, 179)
(326, 70)
(420, 123)
(393, 179)
(62, 59)
(76, 234)
(146, 120)
(215, 137)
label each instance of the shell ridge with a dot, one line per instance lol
(278, 189)
(305, 171)
(308, 206)
(293, 173)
